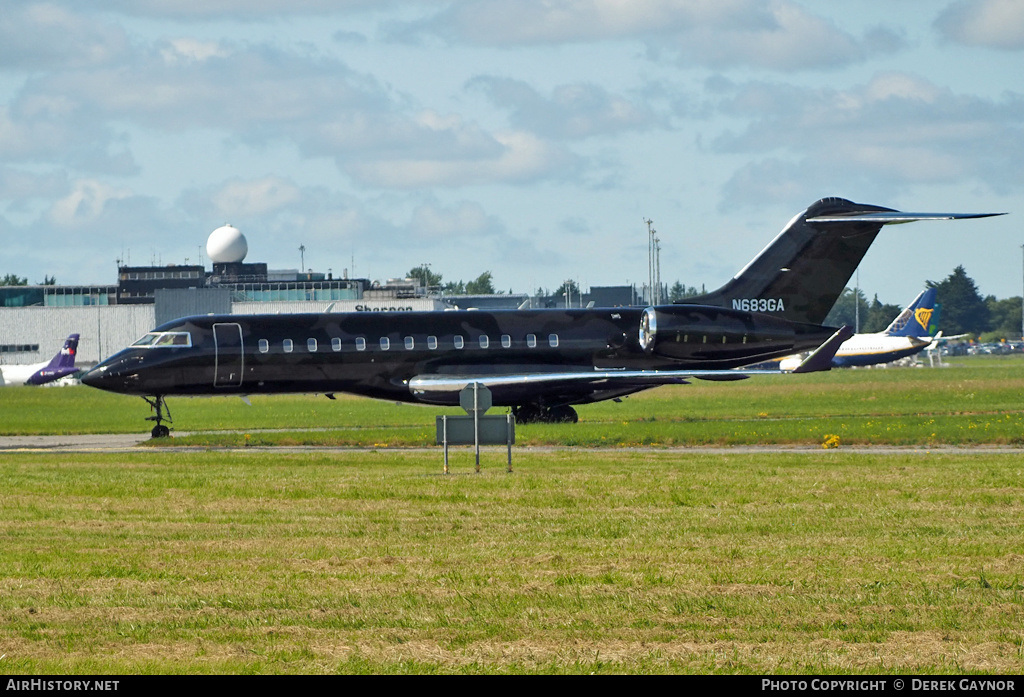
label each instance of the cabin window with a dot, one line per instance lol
(360, 343)
(385, 343)
(553, 340)
(506, 341)
(458, 341)
(288, 345)
(311, 345)
(264, 345)
(165, 339)
(175, 339)
(484, 341)
(336, 344)
(531, 340)
(410, 343)
(431, 342)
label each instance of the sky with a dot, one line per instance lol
(528, 138)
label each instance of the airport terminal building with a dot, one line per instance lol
(35, 320)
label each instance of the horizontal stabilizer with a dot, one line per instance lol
(803, 271)
(895, 217)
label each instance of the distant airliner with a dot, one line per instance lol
(910, 333)
(538, 362)
(61, 365)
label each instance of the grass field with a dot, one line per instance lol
(608, 560)
(975, 401)
(578, 562)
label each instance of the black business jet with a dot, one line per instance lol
(537, 362)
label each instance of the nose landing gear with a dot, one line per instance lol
(158, 405)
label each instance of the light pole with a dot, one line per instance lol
(856, 305)
(657, 271)
(650, 261)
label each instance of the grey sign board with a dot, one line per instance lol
(494, 430)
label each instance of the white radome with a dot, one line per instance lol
(227, 245)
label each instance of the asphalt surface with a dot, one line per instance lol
(140, 442)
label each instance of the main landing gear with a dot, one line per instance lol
(536, 414)
(159, 406)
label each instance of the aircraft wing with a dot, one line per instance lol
(939, 339)
(600, 380)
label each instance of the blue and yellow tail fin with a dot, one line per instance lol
(920, 318)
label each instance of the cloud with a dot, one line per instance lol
(85, 203)
(435, 223)
(533, 22)
(990, 23)
(776, 35)
(246, 10)
(522, 158)
(254, 197)
(41, 36)
(189, 50)
(20, 185)
(571, 112)
(895, 131)
(186, 84)
(262, 95)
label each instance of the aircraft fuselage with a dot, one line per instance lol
(378, 354)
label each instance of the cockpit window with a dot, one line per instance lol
(161, 339)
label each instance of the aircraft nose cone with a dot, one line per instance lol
(94, 377)
(108, 375)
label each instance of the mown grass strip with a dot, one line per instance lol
(974, 403)
(262, 562)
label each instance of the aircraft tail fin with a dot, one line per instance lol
(802, 272)
(60, 365)
(65, 358)
(919, 318)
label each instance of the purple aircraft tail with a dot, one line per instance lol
(62, 365)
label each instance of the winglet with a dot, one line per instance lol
(821, 357)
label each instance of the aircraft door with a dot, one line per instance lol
(229, 361)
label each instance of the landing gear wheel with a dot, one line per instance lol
(563, 415)
(528, 414)
(159, 406)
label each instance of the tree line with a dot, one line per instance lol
(16, 280)
(481, 285)
(962, 310)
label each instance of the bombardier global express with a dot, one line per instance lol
(540, 363)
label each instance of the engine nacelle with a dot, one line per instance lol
(701, 332)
